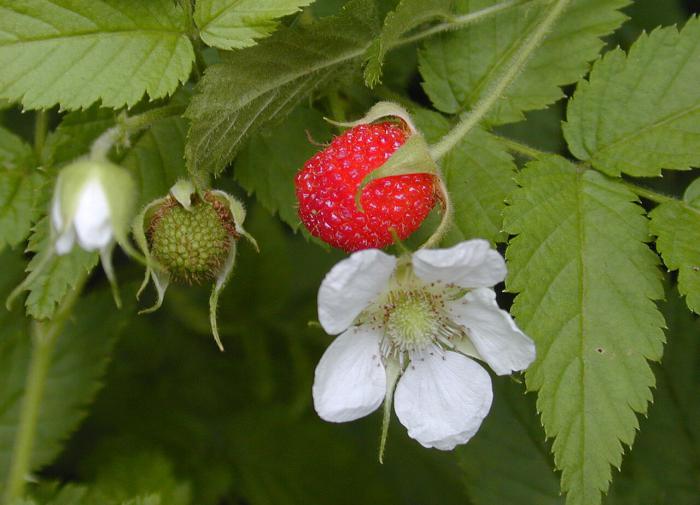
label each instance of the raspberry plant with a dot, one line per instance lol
(542, 126)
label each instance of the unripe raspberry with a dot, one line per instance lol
(192, 244)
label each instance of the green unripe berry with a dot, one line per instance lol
(192, 244)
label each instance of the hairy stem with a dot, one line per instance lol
(463, 20)
(497, 87)
(648, 194)
(44, 336)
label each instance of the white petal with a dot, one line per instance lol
(492, 331)
(350, 380)
(350, 286)
(56, 217)
(442, 399)
(470, 264)
(92, 217)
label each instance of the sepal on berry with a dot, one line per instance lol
(209, 251)
(380, 110)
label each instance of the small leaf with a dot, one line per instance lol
(456, 67)
(586, 284)
(234, 24)
(248, 89)
(677, 226)
(76, 53)
(639, 113)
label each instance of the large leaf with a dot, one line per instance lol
(58, 275)
(233, 24)
(457, 67)
(272, 158)
(20, 188)
(586, 282)
(639, 113)
(79, 360)
(508, 461)
(664, 466)
(74, 53)
(250, 88)
(479, 176)
(677, 225)
(407, 15)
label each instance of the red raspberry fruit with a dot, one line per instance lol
(327, 185)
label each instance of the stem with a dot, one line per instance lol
(648, 194)
(462, 21)
(520, 148)
(44, 337)
(41, 126)
(104, 143)
(517, 63)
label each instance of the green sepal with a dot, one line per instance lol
(183, 191)
(692, 194)
(393, 371)
(413, 157)
(378, 111)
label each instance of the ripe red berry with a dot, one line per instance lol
(327, 184)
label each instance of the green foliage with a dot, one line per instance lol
(74, 134)
(57, 276)
(457, 66)
(638, 113)
(79, 360)
(586, 282)
(269, 162)
(677, 226)
(20, 188)
(75, 53)
(407, 15)
(249, 89)
(234, 24)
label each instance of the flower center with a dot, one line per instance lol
(412, 320)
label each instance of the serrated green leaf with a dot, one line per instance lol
(677, 226)
(517, 467)
(457, 66)
(691, 195)
(75, 134)
(407, 15)
(79, 360)
(234, 24)
(158, 158)
(639, 113)
(479, 176)
(75, 53)
(253, 87)
(664, 465)
(586, 284)
(20, 189)
(59, 275)
(268, 164)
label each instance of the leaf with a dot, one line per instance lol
(514, 468)
(586, 282)
(408, 15)
(677, 226)
(79, 360)
(253, 87)
(75, 134)
(664, 466)
(639, 113)
(20, 189)
(479, 176)
(268, 164)
(59, 275)
(457, 67)
(76, 53)
(234, 24)
(158, 158)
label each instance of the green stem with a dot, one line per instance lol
(648, 194)
(494, 93)
(104, 143)
(41, 126)
(44, 337)
(520, 148)
(462, 21)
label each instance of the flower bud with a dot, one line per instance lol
(92, 203)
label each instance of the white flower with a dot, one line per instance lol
(419, 319)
